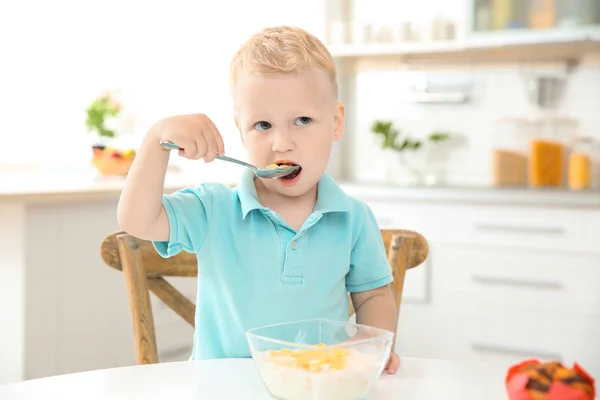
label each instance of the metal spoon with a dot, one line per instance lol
(271, 173)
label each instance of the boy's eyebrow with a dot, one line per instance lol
(262, 116)
(254, 120)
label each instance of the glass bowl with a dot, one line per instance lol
(319, 358)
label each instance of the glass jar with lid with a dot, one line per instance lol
(510, 146)
(547, 151)
(580, 163)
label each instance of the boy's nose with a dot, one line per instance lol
(282, 141)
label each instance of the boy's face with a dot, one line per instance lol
(289, 118)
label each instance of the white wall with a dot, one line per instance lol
(166, 57)
(498, 91)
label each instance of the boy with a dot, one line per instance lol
(274, 250)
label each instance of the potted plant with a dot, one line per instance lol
(102, 115)
(393, 142)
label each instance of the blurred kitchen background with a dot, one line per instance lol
(474, 122)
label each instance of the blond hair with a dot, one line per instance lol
(283, 49)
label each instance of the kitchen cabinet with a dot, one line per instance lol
(72, 312)
(63, 310)
(504, 282)
(74, 309)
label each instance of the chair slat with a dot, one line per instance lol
(173, 298)
(139, 300)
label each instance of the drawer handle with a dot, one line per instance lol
(487, 280)
(521, 229)
(488, 348)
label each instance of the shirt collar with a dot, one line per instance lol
(330, 197)
(247, 193)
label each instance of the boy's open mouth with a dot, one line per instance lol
(286, 163)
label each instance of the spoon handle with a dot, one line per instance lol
(172, 146)
(169, 145)
(233, 160)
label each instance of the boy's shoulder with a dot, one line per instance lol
(357, 205)
(359, 209)
(361, 216)
(365, 230)
(332, 196)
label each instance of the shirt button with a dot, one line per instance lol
(294, 245)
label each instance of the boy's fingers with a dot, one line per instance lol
(191, 150)
(218, 139)
(211, 150)
(393, 364)
(220, 144)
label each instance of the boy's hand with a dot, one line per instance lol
(393, 364)
(195, 133)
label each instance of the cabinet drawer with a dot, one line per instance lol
(576, 230)
(513, 337)
(468, 278)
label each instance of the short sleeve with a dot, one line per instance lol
(369, 267)
(189, 212)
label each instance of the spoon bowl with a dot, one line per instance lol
(268, 173)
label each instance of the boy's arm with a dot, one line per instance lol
(369, 280)
(376, 308)
(140, 212)
(370, 275)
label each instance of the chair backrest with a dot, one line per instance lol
(144, 271)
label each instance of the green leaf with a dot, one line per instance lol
(98, 111)
(439, 136)
(391, 137)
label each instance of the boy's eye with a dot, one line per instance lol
(303, 120)
(262, 126)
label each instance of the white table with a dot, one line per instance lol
(417, 379)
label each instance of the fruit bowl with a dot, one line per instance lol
(110, 161)
(319, 358)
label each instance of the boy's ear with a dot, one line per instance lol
(339, 118)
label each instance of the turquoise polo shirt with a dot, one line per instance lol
(255, 270)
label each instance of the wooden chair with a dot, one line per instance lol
(144, 271)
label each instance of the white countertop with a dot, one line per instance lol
(477, 195)
(48, 186)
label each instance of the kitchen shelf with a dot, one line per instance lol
(393, 49)
(520, 41)
(530, 37)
